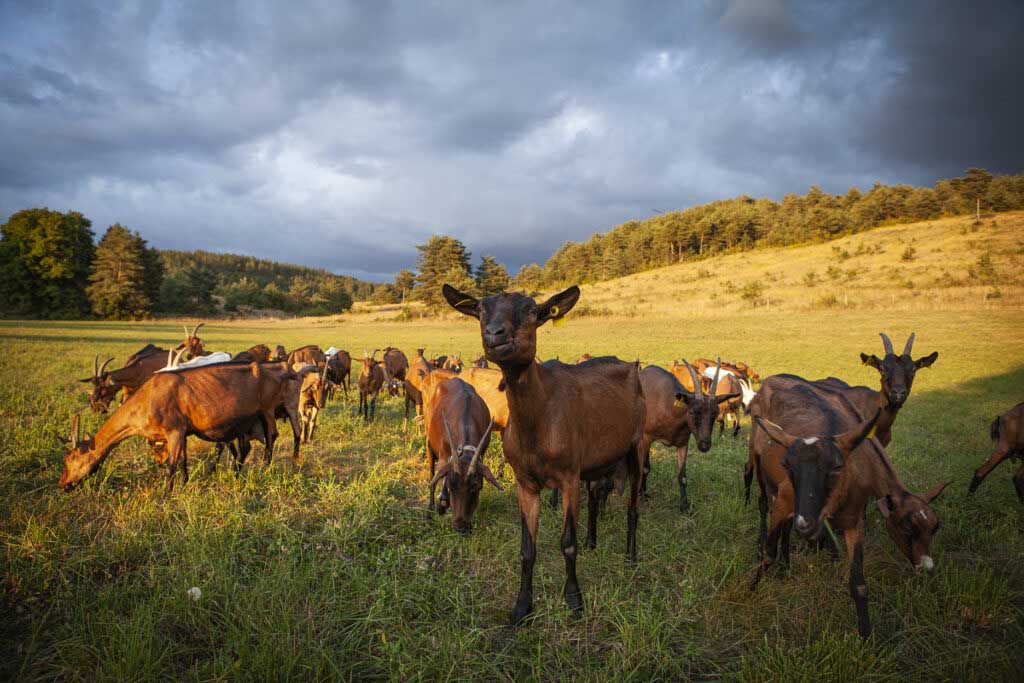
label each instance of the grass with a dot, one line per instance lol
(335, 570)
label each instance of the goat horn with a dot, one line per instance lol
(698, 390)
(886, 343)
(196, 331)
(105, 364)
(187, 333)
(714, 383)
(96, 366)
(910, 344)
(451, 439)
(75, 423)
(170, 358)
(474, 464)
(441, 471)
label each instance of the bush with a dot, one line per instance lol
(753, 293)
(840, 254)
(909, 254)
(811, 279)
(993, 293)
(827, 301)
(835, 273)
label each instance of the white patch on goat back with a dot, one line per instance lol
(709, 372)
(331, 351)
(811, 440)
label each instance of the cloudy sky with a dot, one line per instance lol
(342, 134)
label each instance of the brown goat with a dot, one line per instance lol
(481, 362)
(487, 382)
(339, 370)
(216, 403)
(585, 356)
(279, 354)
(139, 367)
(458, 434)
(192, 345)
(371, 381)
(807, 469)
(396, 366)
(310, 353)
(419, 368)
(254, 354)
(312, 398)
(673, 412)
(567, 423)
(728, 386)
(1007, 431)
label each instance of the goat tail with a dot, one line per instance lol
(994, 430)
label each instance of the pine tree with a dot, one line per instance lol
(117, 288)
(405, 282)
(440, 258)
(491, 276)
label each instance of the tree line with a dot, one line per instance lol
(744, 223)
(50, 267)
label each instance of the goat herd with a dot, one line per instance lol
(817, 448)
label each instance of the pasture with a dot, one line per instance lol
(335, 570)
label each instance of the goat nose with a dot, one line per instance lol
(801, 523)
(926, 564)
(495, 329)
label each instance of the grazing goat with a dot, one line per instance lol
(396, 367)
(1007, 431)
(192, 345)
(218, 403)
(311, 353)
(672, 414)
(814, 460)
(254, 354)
(419, 368)
(567, 423)
(371, 381)
(458, 433)
(139, 367)
(312, 398)
(339, 370)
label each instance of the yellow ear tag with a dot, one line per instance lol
(553, 312)
(679, 403)
(871, 434)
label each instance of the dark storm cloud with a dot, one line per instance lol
(342, 134)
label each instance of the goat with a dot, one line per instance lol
(487, 382)
(567, 423)
(807, 469)
(254, 354)
(1007, 431)
(192, 345)
(584, 357)
(673, 412)
(279, 353)
(481, 362)
(453, 362)
(311, 353)
(339, 370)
(371, 381)
(139, 367)
(419, 368)
(728, 385)
(439, 361)
(458, 433)
(396, 366)
(217, 403)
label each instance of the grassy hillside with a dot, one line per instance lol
(335, 569)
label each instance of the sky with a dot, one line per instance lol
(341, 134)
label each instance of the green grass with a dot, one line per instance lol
(336, 570)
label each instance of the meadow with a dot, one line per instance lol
(335, 569)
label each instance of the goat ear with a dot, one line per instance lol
(558, 305)
(872, 360)
(926, 361)
(886, 505)
(934, 492)
(776, 432)
(727, 397)
(847, 441)
(86, 379)
(683, 398)
(463, 303)
(489, 476)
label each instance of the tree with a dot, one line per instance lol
(405, 282)
(491, 276)
(529, 278)
(386, 294)
(44, 264)
(197, 288)
(117, 288)
(438, 259)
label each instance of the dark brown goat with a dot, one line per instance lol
(396, 366)
(254, 354)
(371, 381)
(1007, 431)
(279, 354)
(814, 459)
(339, 370)
(139, 367)
(567, 423)
(310, 353)
(458, 433)
(192, 345)
(481, 362)
(216, 403)
(673, 412)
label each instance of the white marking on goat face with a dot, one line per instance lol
(811, 441)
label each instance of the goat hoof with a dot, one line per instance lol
(575, 601)
(519, 613)
(975, 482)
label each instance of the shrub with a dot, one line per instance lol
(993, 293)
(834, 273)
(811, 279)
(909, 254)
(827, 301)
(753, 293)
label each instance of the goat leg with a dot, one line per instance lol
(1018, 483)
(571, 506)
(998, 457)
(681, 451)
(593, 511)
(858, 586)
(529, 507)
